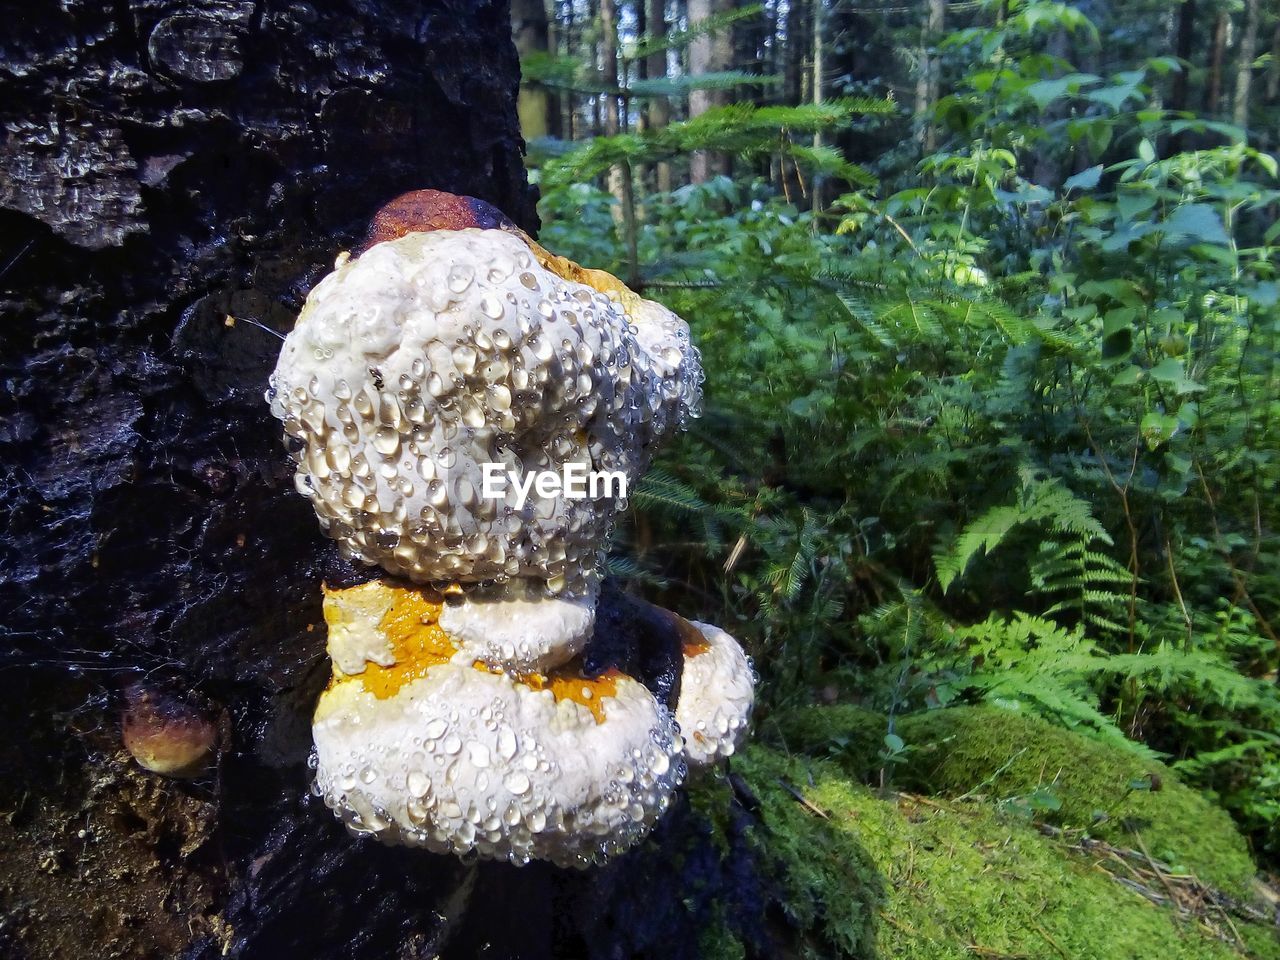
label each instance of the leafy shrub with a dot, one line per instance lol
(971, 437)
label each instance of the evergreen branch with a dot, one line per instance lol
(649, 45)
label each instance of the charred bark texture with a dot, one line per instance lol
(173, 178)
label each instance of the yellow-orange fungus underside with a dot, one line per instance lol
(417, 641)
(568, 683)
(692, 642)
(411, 625)
(566, 269)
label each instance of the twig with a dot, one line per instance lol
(994, 954)
(1155, 867)
(1242, 592)
(1177, 590)
(993, 778)
(1052, 942)
(897, 924)
(804, 802)
(677, 285)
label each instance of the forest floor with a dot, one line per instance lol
(979, 843)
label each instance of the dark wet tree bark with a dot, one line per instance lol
(173, 178)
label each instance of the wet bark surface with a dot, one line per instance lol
(173, 178)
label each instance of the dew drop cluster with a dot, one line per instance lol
(471, 762)
(428, 356)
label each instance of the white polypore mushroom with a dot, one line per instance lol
(717, 692)
(439, 353)
(437, 751)
(517, 627)
(427, 357)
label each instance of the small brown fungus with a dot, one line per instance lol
(166, 733)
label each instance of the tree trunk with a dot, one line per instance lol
(659, 108)
(597, 103)
(819, 75)
(927, 84)
(1213, 89)
(1244, 64)
(1047, 170)
(620, 184)
(569, 36)
(539, 114)
(1273, 69)
(797, 51)
(609, 65)
(1184, 46)
(175, 177)
(708, 53)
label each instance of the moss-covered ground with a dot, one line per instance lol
(950, 863)
(1021, 762)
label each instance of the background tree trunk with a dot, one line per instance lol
(1273, 69)
(1183, 49)
(1213, 89)
(659, 108)
(819, 77)
(1244, 64)
(708, 53)
(571, 41)
(175, 178)
(796, 51)
(929, 82)
(538, 111)
(620, 182)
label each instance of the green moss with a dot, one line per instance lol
(710, 796)
(1005, 754)
(909, 879)
(831, 887)
(717, 941)
(1072, 780)
(849, 734)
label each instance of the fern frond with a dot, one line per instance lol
(983, 534)
(1047, 502)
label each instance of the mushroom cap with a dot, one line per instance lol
(717, 692)
(464, 760)
(165, 733)
(438, 352)
(518, 627)
(436, 750)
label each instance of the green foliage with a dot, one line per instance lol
(707, 26)
(1041, 501)
(742, 129)
(972, 437)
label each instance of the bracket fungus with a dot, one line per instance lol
(717, 691)
(461, 715)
